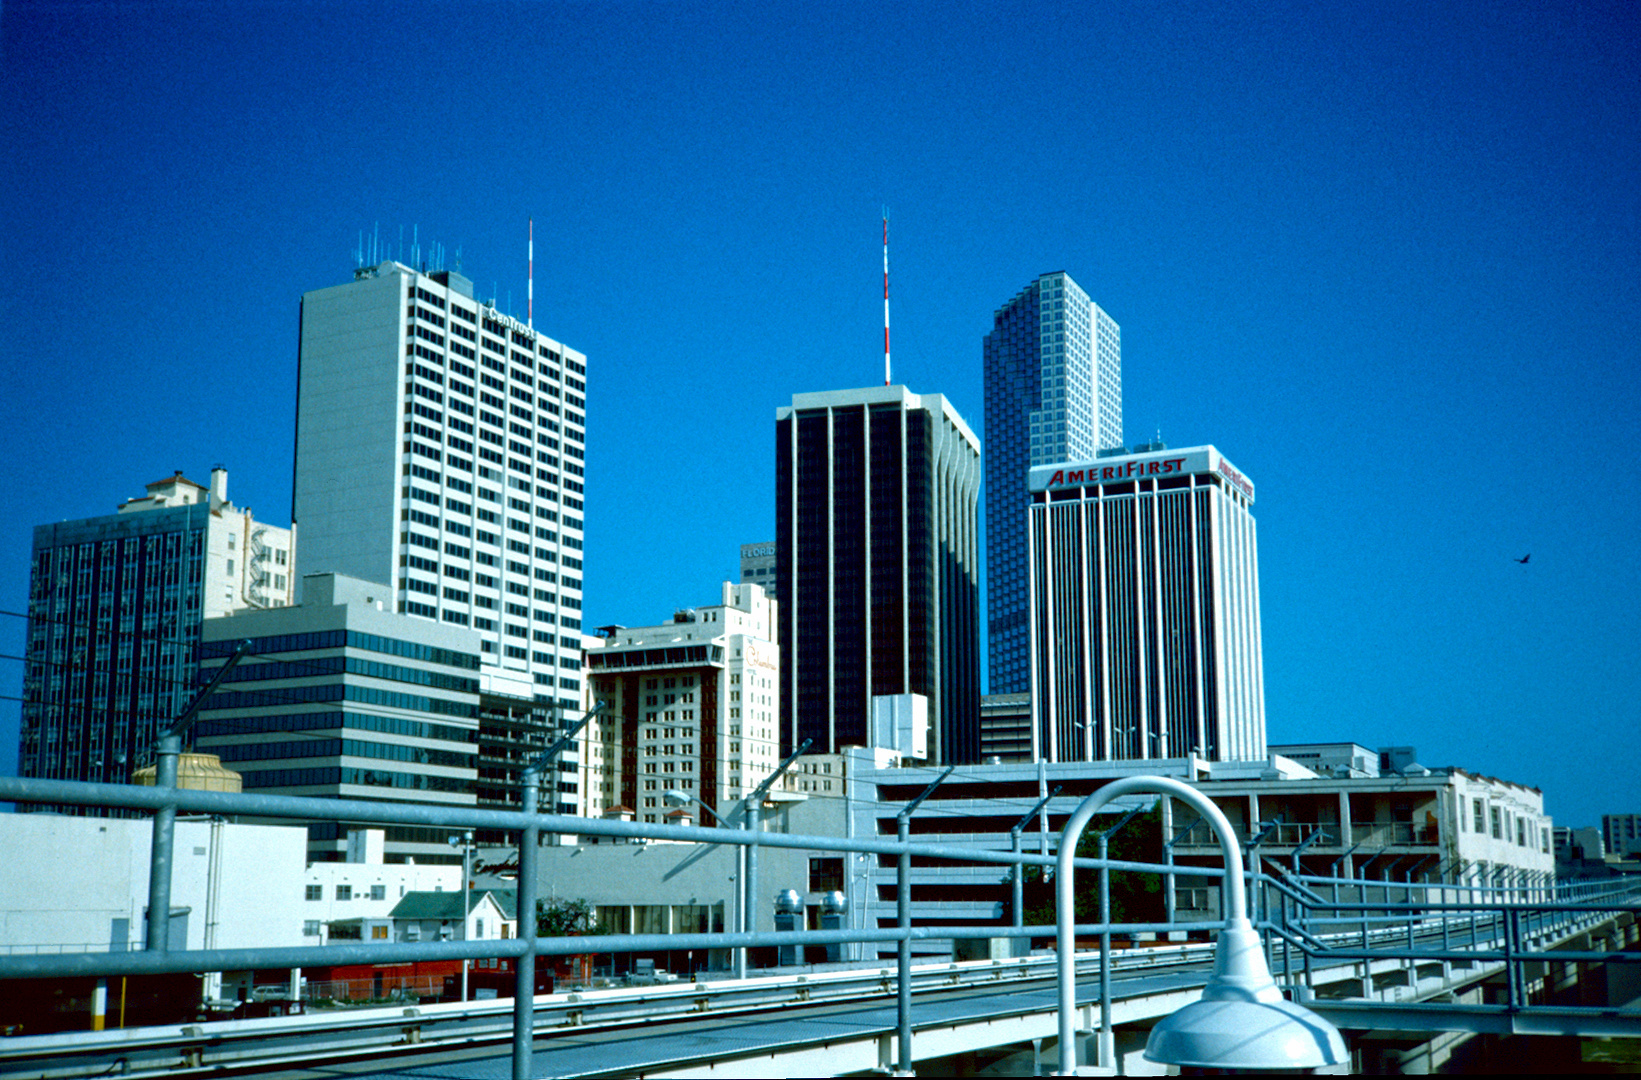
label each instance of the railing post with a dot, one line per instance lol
(1018, 899)
(903, 991)
(1108, 1044)
(160, 851)
(1510, 965)
(750, 903)
(524, 986)
(1287, 957)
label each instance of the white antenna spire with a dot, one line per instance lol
(530, 302)
(885, 296)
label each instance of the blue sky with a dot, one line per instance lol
(1385, 256)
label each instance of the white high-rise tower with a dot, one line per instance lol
(440, 450)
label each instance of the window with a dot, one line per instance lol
(825, 875)
(310, 927)
(344, 892)
(316, 892)
(1480, 816)
(378, 892)
(1498, 824)
(378, 933)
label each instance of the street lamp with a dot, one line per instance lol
(465, 842)
(1242, 1020)
(674, 797)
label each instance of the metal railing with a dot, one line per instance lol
(1315, 923)
(1308, 922)
(1326, 834)
(165, 802)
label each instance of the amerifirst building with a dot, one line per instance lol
(1145, 634)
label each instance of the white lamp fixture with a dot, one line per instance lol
(1242, 1021)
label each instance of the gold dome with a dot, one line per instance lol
(196, 772)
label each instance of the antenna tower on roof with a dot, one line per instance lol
(885, 296)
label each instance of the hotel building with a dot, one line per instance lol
(1053, 371)
(876, 562)
(690, 706)
(1144, 587)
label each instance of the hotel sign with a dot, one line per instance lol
(1164, 464)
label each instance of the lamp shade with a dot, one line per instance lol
(1242, 1021)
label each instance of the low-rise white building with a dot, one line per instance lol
(1409, 826)
(80, 884)
(348, 896)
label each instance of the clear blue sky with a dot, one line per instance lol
(1386, 257)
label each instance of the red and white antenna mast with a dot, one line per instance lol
(885, 296)
(530, 286)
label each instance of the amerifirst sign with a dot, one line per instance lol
(1165, 464)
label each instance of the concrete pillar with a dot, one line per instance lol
(99, 1005)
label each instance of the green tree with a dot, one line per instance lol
(1135, 897)
(566, 918)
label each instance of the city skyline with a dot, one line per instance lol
(1386, 261)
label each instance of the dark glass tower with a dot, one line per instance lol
(877, 563)
(1053, 369)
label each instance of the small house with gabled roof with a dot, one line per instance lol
(442, 916)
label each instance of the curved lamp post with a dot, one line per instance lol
(1242, 1021)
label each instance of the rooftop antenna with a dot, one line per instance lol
(401, 248)
(458, 258)
(375, 235)
(885, 296)
(359, 252)
(416, 248)
(530, 301)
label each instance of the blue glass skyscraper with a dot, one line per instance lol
(1053, 364)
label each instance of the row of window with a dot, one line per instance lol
(364, 695)
(344, 892)
(331, 720)
(382, 778)
(1496, 821)
(312, 748)
(352, 665)
(336, 639)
